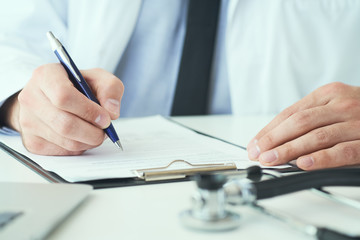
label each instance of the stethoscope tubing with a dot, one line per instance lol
(307, 180)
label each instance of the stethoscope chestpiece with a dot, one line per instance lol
(209, 212)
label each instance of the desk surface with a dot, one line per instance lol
(151, 212)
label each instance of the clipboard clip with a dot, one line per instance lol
(165, 173)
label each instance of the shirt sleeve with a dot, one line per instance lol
(6, 130)
(23, 42)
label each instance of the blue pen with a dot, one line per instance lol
(78, 80)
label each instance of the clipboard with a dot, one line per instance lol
(169, 170)
(144, 176)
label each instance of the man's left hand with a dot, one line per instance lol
(322, 130)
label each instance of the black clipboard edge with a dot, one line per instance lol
(50, 176)
(127, 182)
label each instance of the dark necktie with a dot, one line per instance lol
(191, 94)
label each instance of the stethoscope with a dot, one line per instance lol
(215, 191)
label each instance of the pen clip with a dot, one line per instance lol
(62, 54)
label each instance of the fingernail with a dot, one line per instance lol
(113, 105)
(101, 121)
(305, 162)
(254, 150)
(269, 156)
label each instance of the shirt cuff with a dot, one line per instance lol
(8, 131)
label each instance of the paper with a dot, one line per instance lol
(148, 142)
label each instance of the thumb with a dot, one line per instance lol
(108, 89)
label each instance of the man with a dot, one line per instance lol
(267, 56)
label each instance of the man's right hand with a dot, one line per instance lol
(54, 118)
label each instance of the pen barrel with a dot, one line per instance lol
(78, 80)
(85, 89)
(80, 83)
(110, 131)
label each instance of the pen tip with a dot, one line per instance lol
(118, 144)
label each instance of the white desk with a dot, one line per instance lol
(151, 212)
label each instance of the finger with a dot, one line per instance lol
(108, 89)
(307, 102)
(59, 90)
(342, 154)
(295, 126)
(33, 126)
(319, 97)
(40, 146)
(65, 124)
(71, 127)
(321, 138)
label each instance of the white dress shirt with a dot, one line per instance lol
(152, 59)
(273, 52)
